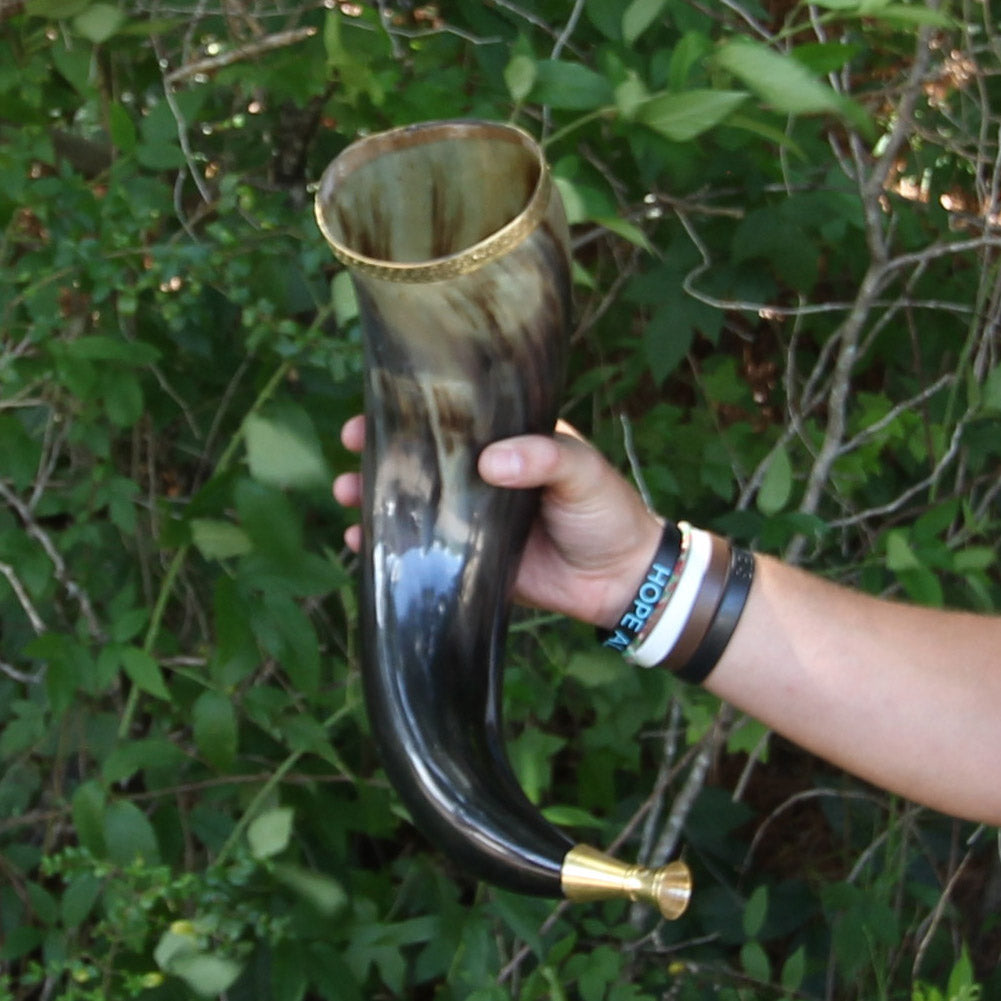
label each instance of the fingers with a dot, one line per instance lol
(353, 433)
(565, 464)
(347, 492)
(347, 489)
(352, 538)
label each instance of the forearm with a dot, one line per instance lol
(906, 697)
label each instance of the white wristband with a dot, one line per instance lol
(668, 628)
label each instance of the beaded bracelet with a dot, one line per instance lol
(650, 595)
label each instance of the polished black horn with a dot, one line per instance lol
(457, 245)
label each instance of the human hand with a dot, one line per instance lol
(593, 539)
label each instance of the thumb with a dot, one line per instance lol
(567, 466)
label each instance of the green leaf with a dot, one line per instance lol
(754, 961)
(215, 729)
(78, 899)
(289, 975)
(145, 672)
(180, 938)
(690, 51)
(681, 117)
(776, 485)
(88, 816)
(630, 95)
(160, 155)
(269, 834)
(289, 634)
(629, 231)
(908, 15)
(519, 76)
(991, 397)
(784, 83)
(207, 975)
(128, 835)
(98, 22)
(922, 586)
(321, 892)
(668, 336)
(749, 737)
(282, 455)
(973, 558)
(121, 128)
(344, 298)
(571, 816)
(20, 454)
(961, 979)
(582, 202)
(755, 911)
(638, 16)
(56, 10)
(571, 86)
(219, 540)
(825, 57)
(123, 398)
(128, 624)
(132, 756)
(531, 756)
(595, 668)
(794, 970)
(899, 554)
(100, 347)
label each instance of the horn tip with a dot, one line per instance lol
(588, 874)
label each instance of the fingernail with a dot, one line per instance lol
(502, 462)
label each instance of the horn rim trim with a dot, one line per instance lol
(464, 262)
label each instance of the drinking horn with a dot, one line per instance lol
(458, 249)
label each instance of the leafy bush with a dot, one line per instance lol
(786, 242)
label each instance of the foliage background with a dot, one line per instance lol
(786, 233)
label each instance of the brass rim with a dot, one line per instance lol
(438, 268)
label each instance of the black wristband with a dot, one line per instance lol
(738, 586)
(635, 617)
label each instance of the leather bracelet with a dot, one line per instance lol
(738, 586)
(706, 606)
(649, 593)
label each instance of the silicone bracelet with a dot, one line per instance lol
(649, 594)
(665, 632)
(676, 575)
(738, 587)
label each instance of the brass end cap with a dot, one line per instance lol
(590, 874)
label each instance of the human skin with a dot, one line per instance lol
(905, 697)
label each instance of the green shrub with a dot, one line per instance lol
(787, 329)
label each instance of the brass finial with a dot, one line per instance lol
(588, 874)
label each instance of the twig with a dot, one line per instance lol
(868, 433)
(17, 675)
(930, 480)
(59, 564)
(634, 464)
(935, 917)
(568, 30)
(847, 336)
(682, 806)
(24, 599)
(211, 64)
(794, 800)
